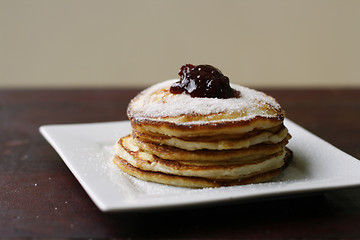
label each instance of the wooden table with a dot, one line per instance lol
(39, 196)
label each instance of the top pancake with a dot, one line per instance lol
(156, 109)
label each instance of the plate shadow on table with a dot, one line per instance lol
(250, 219)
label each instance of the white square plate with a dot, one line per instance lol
(87, 150)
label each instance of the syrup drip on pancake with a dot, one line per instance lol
(203, 81)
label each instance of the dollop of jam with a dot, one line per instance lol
(203, 81)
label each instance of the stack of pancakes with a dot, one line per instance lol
(203, 142)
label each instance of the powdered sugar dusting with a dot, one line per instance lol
(157, 102)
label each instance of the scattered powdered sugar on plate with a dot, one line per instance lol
(136, 189)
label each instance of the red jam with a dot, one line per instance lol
(203, 81)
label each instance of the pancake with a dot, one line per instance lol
(225, 144)
(195, 182)
(174, 153)
(209, 138)
(157, 110)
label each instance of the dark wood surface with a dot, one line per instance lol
(39, 196)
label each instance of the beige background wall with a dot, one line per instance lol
(84, 43)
